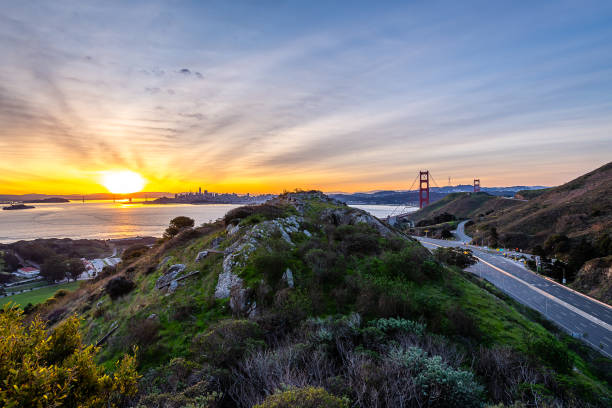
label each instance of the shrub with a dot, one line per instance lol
(177, 225)
(393, 325)
(119, 286)
(462, 323)
(455, 256)
(405, 264)
(409, 377)
(60, 293)
(227, 341)
(39, 370)
(552, 353)
(307, 397)
(360, 239)
(143, 332)
(56, 315)
(505, 372)
(271, 266)
(133, 252)
(323, 264)
(259, 212)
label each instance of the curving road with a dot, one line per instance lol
(578, 314)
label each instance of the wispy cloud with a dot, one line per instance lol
(338, 99)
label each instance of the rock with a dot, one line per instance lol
(178, 268)
(227, 280)
(201, 255)
(232, 229)
(169, 276)
(237, 254)
(288, 277)
(172, 287)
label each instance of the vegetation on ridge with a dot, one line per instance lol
(305, 299)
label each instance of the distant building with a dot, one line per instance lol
(28, 272)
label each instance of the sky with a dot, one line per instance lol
(263, 96)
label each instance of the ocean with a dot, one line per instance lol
(108, 220)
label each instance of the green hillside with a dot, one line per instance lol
(305, 299)
(464, 205)
(581, 208)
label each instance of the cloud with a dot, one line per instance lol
(337, 98)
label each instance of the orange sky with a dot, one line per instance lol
(341, 99)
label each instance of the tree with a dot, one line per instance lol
(75, 268)
(11, 262)
(494, 237)
(54, 268)
(51, 369)
(177, 225)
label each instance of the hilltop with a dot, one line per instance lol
(581, 208)
(464, 205)
(311, 302)
(571, 223)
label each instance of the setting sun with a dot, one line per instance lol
(123, 182)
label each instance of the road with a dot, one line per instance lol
(578, 314)
(460, 233)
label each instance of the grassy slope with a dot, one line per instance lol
(581, 207)
(464, 205)
(498, 319)
(39, 295)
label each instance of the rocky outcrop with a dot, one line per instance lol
(229, 284)
(167, 278)
(201, 255)
(595, 279)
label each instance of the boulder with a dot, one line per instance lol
(288, 277)
(201, 255)
(232, 229)
(169, 276)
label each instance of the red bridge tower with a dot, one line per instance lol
(424, 188)
(476, 185)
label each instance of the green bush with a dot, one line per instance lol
(308, 397)
(271, 266)
(360, 239)
(60, 293)
(455, 256)
(51, 369)
(439, 384)
(259, 212)
(133, 252)
(392, 325)
(227, 341)
(552, 353)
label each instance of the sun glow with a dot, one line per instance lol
(123, 182)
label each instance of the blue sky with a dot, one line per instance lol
(268, 95)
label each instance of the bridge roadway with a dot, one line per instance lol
(578, 314)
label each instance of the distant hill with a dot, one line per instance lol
(436, 193)
(581, 208)
(465, 205)
(41, 198)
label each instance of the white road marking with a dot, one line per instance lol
(551, 297)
